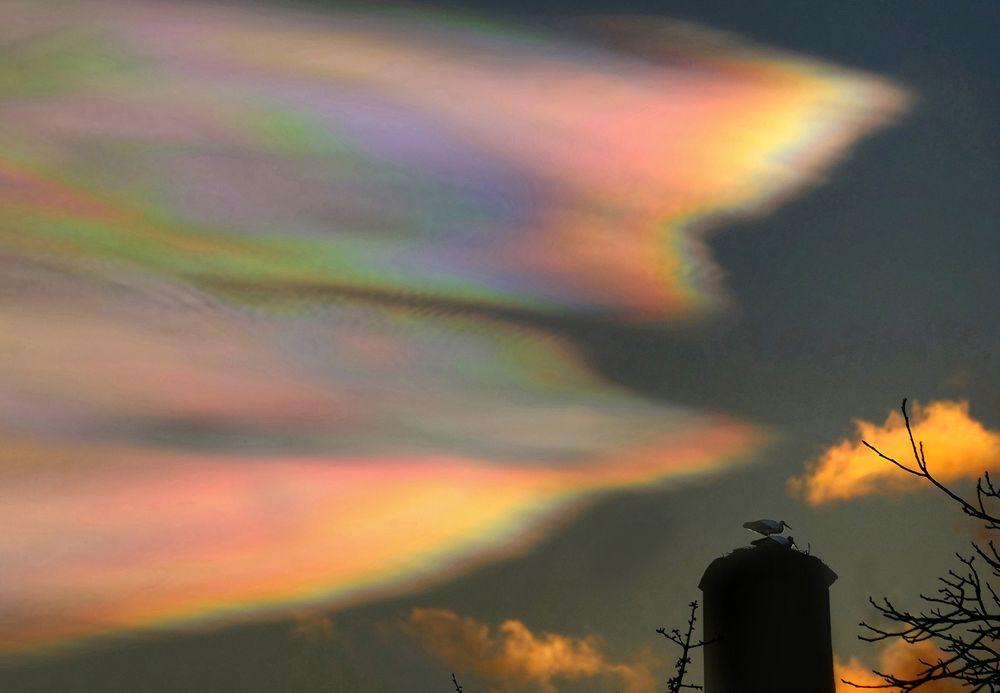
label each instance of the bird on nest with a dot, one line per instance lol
(767, 527)
(787, 542)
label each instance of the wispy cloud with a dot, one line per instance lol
(513, 658)
(250, 281)
(956, 446)
(899, 659)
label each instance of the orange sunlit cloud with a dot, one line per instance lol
(899, 659)
(513, 658)
(956, 447)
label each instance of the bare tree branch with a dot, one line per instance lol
(676, 683)
(963, 618)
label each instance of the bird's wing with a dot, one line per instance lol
(764, 527)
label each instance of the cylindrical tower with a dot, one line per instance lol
(769, 608)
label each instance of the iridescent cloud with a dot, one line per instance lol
(245, 257)
(407, 155)
(176, 466)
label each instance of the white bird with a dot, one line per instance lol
(787, 542)
(767, 527)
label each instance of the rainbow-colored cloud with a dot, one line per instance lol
(245, 257)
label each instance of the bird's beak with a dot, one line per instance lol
(789, 526)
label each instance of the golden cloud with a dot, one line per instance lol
(901, 660)
(513, 658)
(956, 446)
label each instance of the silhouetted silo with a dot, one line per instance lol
(770, 608)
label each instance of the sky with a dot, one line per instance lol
(347, 347)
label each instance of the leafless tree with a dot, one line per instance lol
(963, 618)
(676, 683)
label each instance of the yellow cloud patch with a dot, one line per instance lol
(513, 658)
(956, 447)
(901, 660)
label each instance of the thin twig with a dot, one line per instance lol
(676, 683)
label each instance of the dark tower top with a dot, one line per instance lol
(770, 608)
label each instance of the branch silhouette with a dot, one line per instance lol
(963, 617)
(676, 683)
